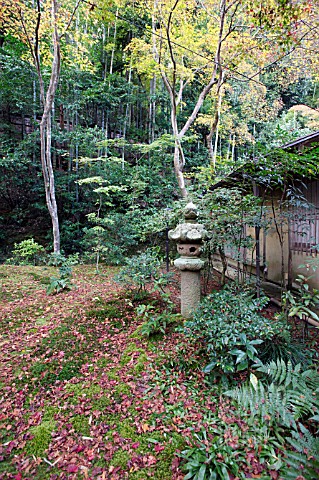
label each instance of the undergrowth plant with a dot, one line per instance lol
(155, 322)
(303, 460)
(278, 401)
(63, 282)
(284, 395)
(142, 271)
(209, 458)
(304, 303)
(230, 327)
(27, 252)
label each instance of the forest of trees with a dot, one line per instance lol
(111, 112)
(115, 115)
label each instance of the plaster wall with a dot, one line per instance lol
(270, 250)
(302, 258)
(274, 255)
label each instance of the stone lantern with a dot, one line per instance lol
(189, 237)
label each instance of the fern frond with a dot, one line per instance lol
(301, 464)
(311, 378)
(303, 460)
(265, 403)
(279, 372)
(290, 396)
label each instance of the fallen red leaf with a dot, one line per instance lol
(72, 468)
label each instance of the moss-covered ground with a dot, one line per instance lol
(79, 398)
(85, 396)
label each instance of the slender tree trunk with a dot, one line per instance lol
(47, 100)
(215, 124)
(114, 40)
(48, 176)
(224, 264)
(257, 242)
(152, 110)
(46, 127)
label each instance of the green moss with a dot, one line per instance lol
(139, 475)
(123, 389)
(137, 332)
(42, 435)
(112, 374)
(111, 310)
(43, 321)
(120, 459)
(132, 348)
(126, 430)
(140, 364)
(70, 369)
(163, 468)
(133, 412)
(81, 424)
(92, 391)
(49, 413)
(101, 402)
(111, 419)
(103, 362)
(127, 354)
(81, 390)
(77, 388)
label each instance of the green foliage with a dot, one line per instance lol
(58, 284)
(284, 347)
(143, 270)
(287, 394)
(284, 395)
(303, 459)
(27, 252)
(304, 302)
(209, 458)
(229, 325)
(63, 282)
(154, 321)
(227, 213)
(59, 260)
(42, 435)
(276, 167)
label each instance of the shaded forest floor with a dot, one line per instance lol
(83, 395)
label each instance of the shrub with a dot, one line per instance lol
(27, 252)
(154, 321)
(230, 326)
(63, 282)
(58, 284)
(143, 270)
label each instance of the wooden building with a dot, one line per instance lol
(291, 239)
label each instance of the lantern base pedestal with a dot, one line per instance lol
(190, 292)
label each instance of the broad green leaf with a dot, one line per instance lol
(254, 381)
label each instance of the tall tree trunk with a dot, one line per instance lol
(114, 40)
(46, 125)
(215, 124)
(47, 100)
(152, 110)
(48, 176)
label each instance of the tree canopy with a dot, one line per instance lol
(136, 94)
